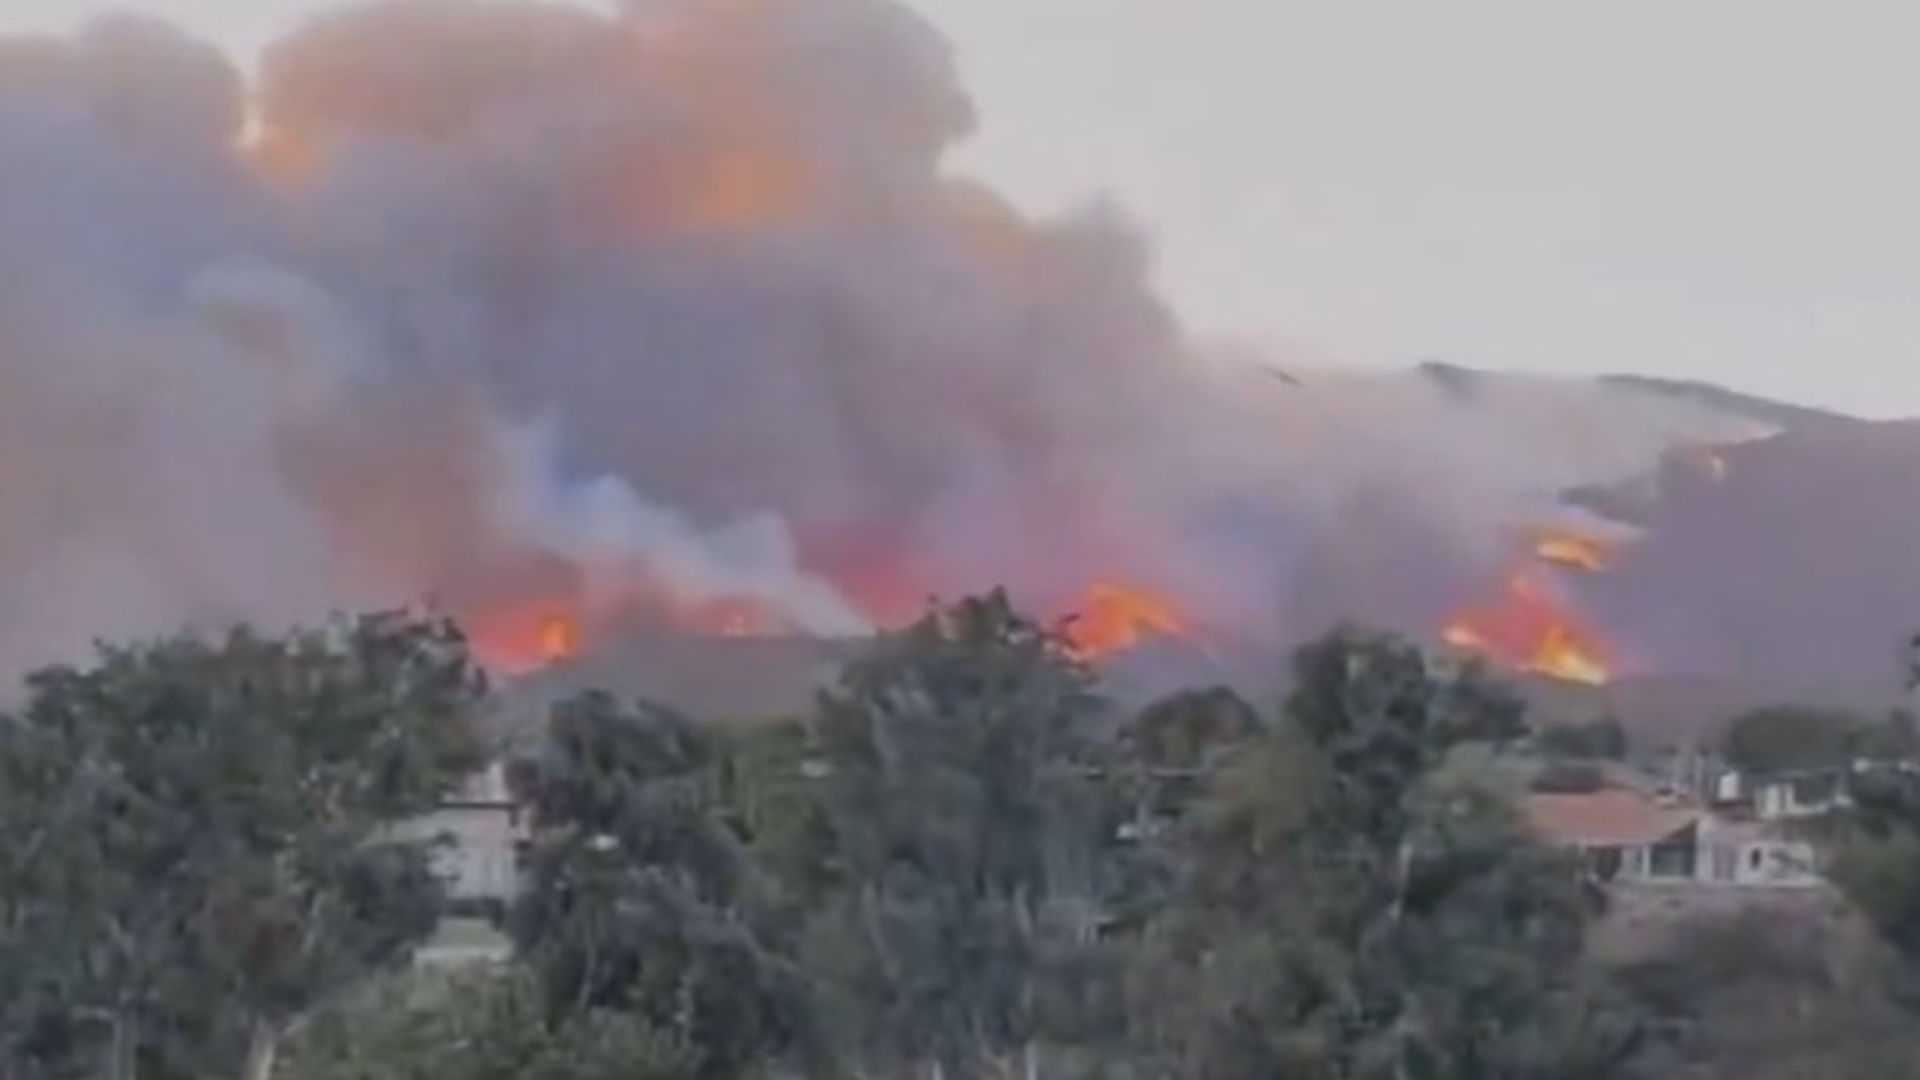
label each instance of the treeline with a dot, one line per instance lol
(962, 863)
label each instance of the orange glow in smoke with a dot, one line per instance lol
(739, 187)
(724, 149)
(1532, 629)
(559, 638)
(1573, 550)
(515, 639)
(734, 162)
(280, 156)
(1563, 655)
(1114, 617)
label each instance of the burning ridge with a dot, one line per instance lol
(569, 322)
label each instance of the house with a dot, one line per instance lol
(1801, 793)
(1783, 794)
(1628, 836)
(1753, 853)
(1795, 794)
(1621, 834)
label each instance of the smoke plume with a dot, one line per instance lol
(520, 308)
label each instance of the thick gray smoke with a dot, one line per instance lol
(510, 304)
(1792, 568)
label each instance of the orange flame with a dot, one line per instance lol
(514, 639)
(1564, 656)
(559, 638)
(1533, 630)
(1573, 551)
(1115, 617)
(519, 638)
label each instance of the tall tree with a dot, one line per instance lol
(640, 899)
(203, 848)
(969, 840)
(1785, 737)
(1159, 763)
(1348, 914)
(1788, 992)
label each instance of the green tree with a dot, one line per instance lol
(773, 787)
(1569, 778)
(1602, 738)
(1160, 763)
(963, 939)
(1347, 914)
(200, 846)
(1778, 994)
(1786, 737)
(640, 898)
(1874, 856)
(482, 1024)
(1160, 758)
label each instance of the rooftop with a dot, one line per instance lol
(1606, 818)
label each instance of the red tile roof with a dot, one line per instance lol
(1610, 817)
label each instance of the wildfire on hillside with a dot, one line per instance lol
(1533, 624)
(1531, 628)
(1115, 617)
(1572, 551)
(515, 639)
(1109, 618)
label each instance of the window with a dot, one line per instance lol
(1753, 858)
(1671, 860)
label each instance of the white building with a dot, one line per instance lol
(486, 830)
(1753, 853)
(1787, 795)
(1628, 836)
(1620, 833)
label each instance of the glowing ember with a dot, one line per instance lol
(1114, 618)
(1532, 629)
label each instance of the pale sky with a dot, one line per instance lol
(1712, 189)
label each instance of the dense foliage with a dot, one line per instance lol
(1596, 739)
(963, 863)
(1786, 738)
(193, 842)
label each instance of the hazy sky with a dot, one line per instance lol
(1717, 189)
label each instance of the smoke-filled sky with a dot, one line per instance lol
(1714, 190)
(686, 316)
